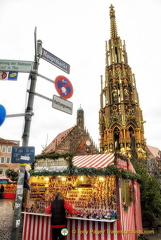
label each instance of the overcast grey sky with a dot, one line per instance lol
(76, 31)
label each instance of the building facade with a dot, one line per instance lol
(75, 140)
(120, 116)
(5, 155)
(154, 161)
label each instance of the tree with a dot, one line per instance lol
(150, 194)
(13, 175)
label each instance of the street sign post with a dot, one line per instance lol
(25, 137)
(63, 86)
(23, 154)
(57, 62)
(35, 42)
(16, 65)
(62, 104)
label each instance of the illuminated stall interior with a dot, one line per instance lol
(93, 196)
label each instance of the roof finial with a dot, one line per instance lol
(113, 23)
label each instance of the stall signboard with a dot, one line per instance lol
(3, 181)
(23, 154)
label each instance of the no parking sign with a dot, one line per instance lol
(63, 86)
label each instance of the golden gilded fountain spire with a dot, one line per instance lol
(113, 23)
(120, 116)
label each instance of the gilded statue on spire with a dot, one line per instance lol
(113, 22)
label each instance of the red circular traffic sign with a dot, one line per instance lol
(3, 75)
(63, 86)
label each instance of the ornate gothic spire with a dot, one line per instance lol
(113, 23)
(120, 116)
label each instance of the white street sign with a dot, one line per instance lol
(16, 65)
(62, 104)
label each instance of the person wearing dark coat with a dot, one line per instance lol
(58, 216)
(2, 191)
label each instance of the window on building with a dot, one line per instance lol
(8, 160)
(1, 171)
(9, 149)
(2, 160)
(3, 149)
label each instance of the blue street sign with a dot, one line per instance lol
(23, 154)
(54, 60)
(12, 76)
(2, 114)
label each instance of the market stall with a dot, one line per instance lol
(9, 187)
(108, 205)
(37, 226)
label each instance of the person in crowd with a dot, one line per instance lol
(2, 191)
(58, 208)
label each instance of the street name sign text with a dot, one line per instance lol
(16, 65)
(62, 104)
(57, 62)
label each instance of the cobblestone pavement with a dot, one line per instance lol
(155, 236)
(6, 218)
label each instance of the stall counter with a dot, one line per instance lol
(9, 195)
(37, 226)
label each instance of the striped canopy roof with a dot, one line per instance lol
(101, 161)
(94, 161)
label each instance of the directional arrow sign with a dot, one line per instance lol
(23, 154)
(16, 65)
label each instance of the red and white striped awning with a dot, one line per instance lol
(94, 161)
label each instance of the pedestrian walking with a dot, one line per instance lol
(58, 216)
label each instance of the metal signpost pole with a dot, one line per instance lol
(29, 109)
(25, 137)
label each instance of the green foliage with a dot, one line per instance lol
(54, 156)
(125, 206)
(13, 175)
(119, 155)
(150, 193)
(108, 171)
(142, 237)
